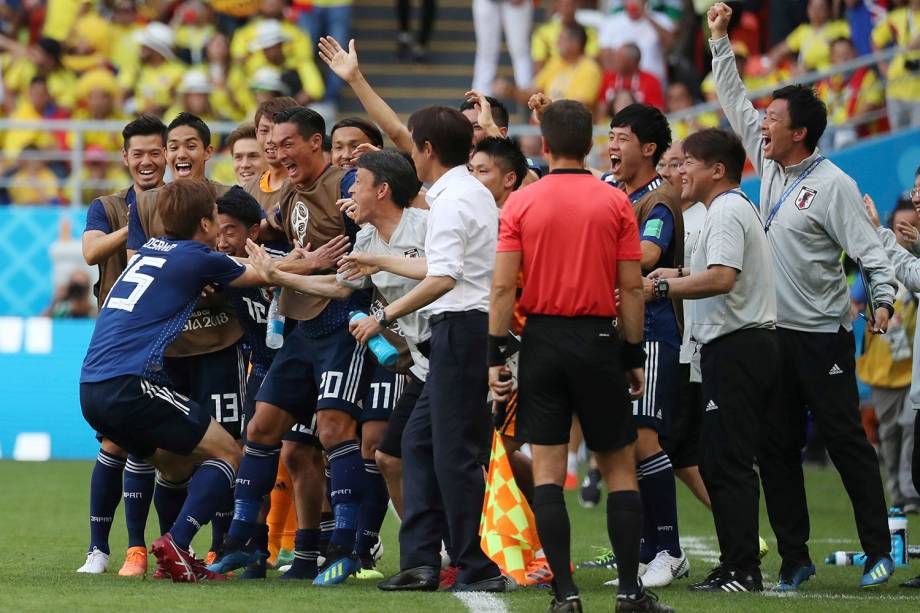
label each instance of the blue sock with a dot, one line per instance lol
(254, 481)
(306, 550)
(104, 494)
(347, 488)
(326, 526)
(209, 486)
(659, 499)
(168, 498)
(221, 522)
(139, 479)
(373, 509)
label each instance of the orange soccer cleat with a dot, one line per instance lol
(135, 563)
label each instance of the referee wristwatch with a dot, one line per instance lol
(380, 316)
(661, 288)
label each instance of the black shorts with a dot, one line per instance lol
(304, 434)
(141, 417)
(571, 366)
(216, 381)
(662, 387)
(312, 374)
(682, 443)
(392, 439)
(382, 395)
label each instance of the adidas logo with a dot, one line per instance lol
(835, 370)
(712, 406)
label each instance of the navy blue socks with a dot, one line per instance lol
(347, 486)
(659, 499)
(255, 480)
(104, 494)
(306, 550)
(139, 479)
(208, 488)
(373, 509)
(168, 498)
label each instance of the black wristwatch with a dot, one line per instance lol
(888, 307)
(380, 316)
(661, 288)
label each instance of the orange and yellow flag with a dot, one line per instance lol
(508, 531)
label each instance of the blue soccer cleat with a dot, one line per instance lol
(234, 560)
(878, 573)
(338, 571)
(792, 581)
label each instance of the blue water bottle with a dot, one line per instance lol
(385, 353)
(897, 526)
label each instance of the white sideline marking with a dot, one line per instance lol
(825, 596)
(699, 547)
(481, 602)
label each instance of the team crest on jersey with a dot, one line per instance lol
(300, 217)
(805, 198)
(411, 253)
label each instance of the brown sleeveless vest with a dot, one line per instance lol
(664, 194)
(212, 326)
(311, 216)
(116, 210)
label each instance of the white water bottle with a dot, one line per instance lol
(897, 526)
(274, 331)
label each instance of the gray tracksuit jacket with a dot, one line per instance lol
(820, 216)
(907, 268)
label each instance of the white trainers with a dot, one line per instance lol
(665, 568)
(640, 573)
(96, 563)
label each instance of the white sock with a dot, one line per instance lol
(572, 463)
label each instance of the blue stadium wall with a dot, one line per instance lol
(40, 359)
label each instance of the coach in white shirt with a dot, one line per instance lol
(448, 429)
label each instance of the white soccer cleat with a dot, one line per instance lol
(96, 563)
(640, 573)
(377, 550)
(665, 568)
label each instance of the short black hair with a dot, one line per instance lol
(448, 131)
(648, 124)
(566, 127)
(806, 110)
(904, 203)
(371, 131)
(193, 121)
(147, 124)
(713, 145)
(578, 32)
(392, 168)
(239, 204)
(506, 154)
(272, 106)
(499, 110)
(308, 121)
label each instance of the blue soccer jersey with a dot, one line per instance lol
(251, 304)
(660, 320)
(148, 306)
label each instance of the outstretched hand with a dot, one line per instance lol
(871, 210)
(261, 261)
(342, 63)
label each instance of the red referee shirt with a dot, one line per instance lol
(571, 230)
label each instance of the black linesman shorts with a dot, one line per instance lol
(141, 417)
(571, 366)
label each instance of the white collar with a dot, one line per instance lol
(438, 187)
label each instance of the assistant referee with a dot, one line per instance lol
(576, 241)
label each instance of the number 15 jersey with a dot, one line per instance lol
(148, 306)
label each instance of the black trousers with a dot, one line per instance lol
(739, 371)
(441, 445)
(817, 371)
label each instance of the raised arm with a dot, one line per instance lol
(743, 117)
(345, 65)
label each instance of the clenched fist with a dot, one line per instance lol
(718, 17)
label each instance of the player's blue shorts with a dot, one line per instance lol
(253, 383)
(216, 381)
(382, 395)
(141, 417)
(313, 374)
(305, 434)
(662, 388)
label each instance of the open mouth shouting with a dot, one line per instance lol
(183, 169)
(615, 163)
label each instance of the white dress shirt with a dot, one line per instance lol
(461, 239)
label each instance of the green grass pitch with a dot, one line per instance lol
(43, 536)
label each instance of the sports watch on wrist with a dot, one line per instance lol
(380, 316)
(661, 288)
